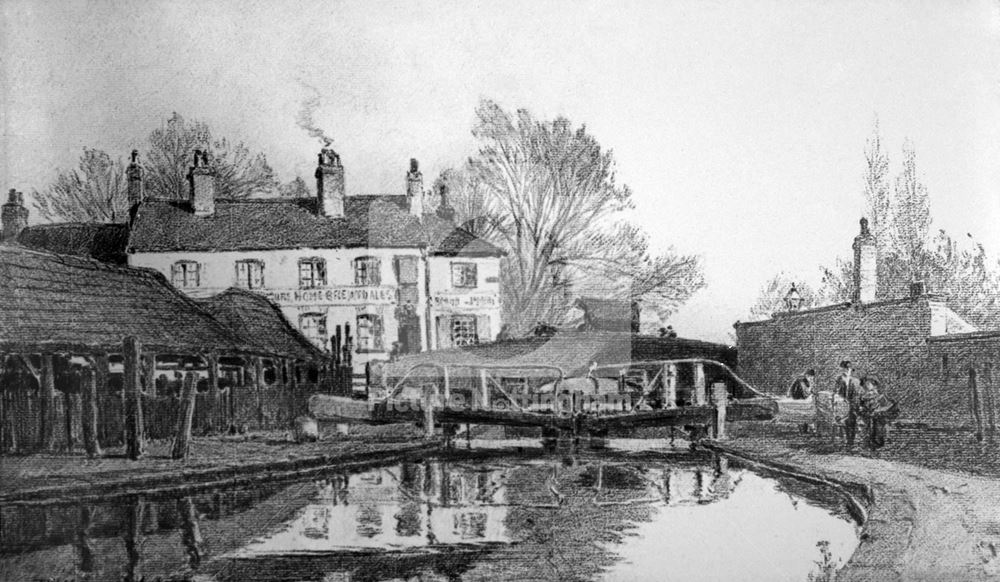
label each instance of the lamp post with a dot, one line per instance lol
(793, 300)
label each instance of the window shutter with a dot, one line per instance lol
(174, 274)
(443, 333)
(197, 274)
(483, 328)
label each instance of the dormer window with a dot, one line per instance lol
(185, 274)
(312, 273)
(250, 274)
(366, 271)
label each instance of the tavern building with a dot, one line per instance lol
(385, 269)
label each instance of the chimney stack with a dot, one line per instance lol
(865, 269)
(14, 216)
(918, 289)
(330, 184)
(202, 179)
(134, 173)
(415, 189)
(445, 210)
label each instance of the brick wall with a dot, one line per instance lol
(891, 340)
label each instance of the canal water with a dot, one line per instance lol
(490, 513)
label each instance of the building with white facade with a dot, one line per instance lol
(386, 267)
(377, 263)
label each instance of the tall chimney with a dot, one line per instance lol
(445, 209)
(330, 184)
(14, 216)
(134, 173)
(202, 179)
(415, 189)
(865, 272)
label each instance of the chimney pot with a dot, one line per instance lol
(14, 216)
(415, 189)
(202, 180)
(330, 184)
(135, 185)
(865, 265)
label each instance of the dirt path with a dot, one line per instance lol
(925, 524)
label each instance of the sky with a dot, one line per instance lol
(739, 126)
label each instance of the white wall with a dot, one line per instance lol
(482, 301)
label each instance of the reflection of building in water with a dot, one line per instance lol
(682, 486)
(416, 504)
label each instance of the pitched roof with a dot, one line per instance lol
(59, 302)
(104, 242)
(606, 314)
(259, 323)
(282, 223)
(571, 351)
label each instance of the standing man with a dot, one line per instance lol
(849, 388)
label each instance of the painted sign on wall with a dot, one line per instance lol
(333, 296)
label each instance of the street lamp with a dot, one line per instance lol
(793, 301)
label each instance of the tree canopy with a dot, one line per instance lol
(899, 213)
(96, 191)
(546, 192)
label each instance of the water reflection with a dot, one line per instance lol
(596, 516)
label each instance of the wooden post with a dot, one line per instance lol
(134, 441)
(484, 389)
(133, 536)
(720, 394)
(8, 430)
(699, 384)
(447, 386)
(84, 545)
(977, 403)
(185, 418)
(430, 392)
(149, 373)
(670, 386)
(217, 413)
(88, 410)
(47, 405)
(259, 387)
(190, 532)
(70, 408)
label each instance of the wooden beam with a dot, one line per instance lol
(259, 387)
(699, 384)
(8, 432)
(135, 446)
(70, 410)
(217, 414)
(47, 405)
(88, 410)
(720, 395)
(185, 417)
(669, 377)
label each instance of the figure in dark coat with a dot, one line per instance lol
(803, 386)
(877, 410)
(849, 387)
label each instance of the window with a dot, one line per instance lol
(312, 273)
(463, 330)
(366, 271)
(185, 274)
(370, 333)
(250, 274)
(313, 326)
(463, 275)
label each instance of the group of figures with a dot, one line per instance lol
(862, 397)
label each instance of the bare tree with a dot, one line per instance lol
(546, 192)
(96, 191)
(961, 272)
(296, 188)
(239, 172)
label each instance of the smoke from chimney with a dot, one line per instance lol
(305, 117)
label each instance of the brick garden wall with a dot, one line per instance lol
(888, 339)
